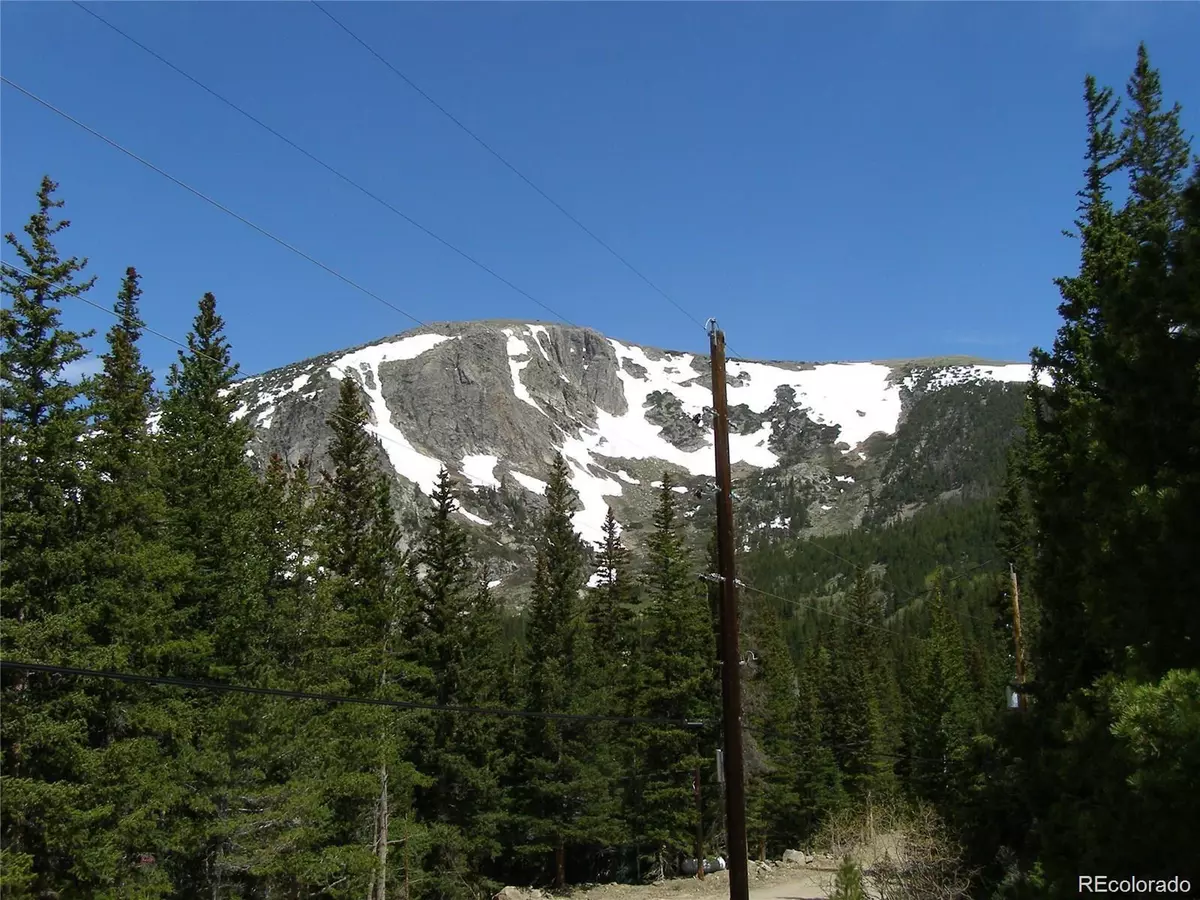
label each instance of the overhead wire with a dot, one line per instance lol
(225, 687)
(328, 167)
(76, 292)
(508, 165)
(818, 608)
(207, 199)
(244, 220)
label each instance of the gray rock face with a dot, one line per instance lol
(494, 401)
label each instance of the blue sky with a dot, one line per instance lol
(831, 181)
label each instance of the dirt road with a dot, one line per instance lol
(809, 886)
(779, 883)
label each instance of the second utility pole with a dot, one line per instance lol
(731, 688)
(1020, 650)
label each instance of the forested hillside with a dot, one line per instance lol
(396, 732)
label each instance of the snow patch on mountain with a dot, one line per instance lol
(948, 376)
(479, 469)
(517, 347)
(406, 459)
(405, 348)
(530, 483)
(539, 333)
(834, 394)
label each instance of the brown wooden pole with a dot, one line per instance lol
(699, 820)
(1016, 608)
(731, 688)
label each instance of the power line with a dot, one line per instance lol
(225, 209)
(863, 569)
(816, 608)
(222, 687)
(246, 221)
(260, 229)
(77, 292)
(329, 168)
(488, 147)
(819, 609)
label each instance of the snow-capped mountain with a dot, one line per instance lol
(493, 402)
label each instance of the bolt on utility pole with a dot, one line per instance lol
(731, 688)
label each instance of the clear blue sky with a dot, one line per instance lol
(832, 181)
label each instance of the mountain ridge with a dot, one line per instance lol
(898, 362)
(493, 401)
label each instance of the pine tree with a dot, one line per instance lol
(610, 607)
(1060, 413)
(454, 630)
(676, 683)
(1111, 476)
(848, 883)
(943, 716)
(46, 616)
(563, 796)
(818, 782)
(135, 579)
(612, 667)
(858, 701)
(212, 496)
(364, 761)
(772, 702)
(277, 811)
(212, 492)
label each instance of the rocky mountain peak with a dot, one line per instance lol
(493, 401)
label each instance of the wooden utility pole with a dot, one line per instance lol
(731, 688)
(699, 821)
(1016, 609)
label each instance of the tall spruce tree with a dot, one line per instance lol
(1111, 474)
(858, 695)
(135, 580)
(773, 801)
(676, 684)
(818, 782)
(212, 492)
(212, 498)
(942, 713)
(365, 760)
(563, 795)
(612, 670)
(275, 823)
(453, 631)
(610, 610)
(47, 616)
